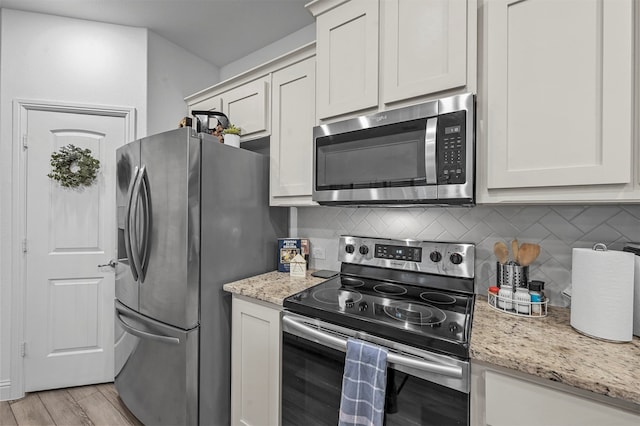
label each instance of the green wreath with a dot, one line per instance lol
(74, 167)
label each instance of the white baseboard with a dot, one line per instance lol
(5, 390)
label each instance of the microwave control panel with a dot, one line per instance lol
(451, 151)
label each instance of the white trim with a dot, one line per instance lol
(5, 390)
(14, 388)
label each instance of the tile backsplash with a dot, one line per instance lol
(557, 228)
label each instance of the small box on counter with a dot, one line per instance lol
(288, 248)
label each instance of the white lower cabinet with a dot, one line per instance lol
(504, 399)
(255, 362)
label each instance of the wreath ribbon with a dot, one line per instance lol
(73, 167)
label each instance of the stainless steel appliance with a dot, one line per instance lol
(422, 154)
(193, 214)
(414, 298)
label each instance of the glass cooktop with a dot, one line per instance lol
(427, 318)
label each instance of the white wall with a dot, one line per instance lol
(173, 75)
(278, 48)
(52, 58)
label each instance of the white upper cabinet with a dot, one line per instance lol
(213, 103)
(276, 99)
(291, 148)
(559, 99)
(245, 104)
(247, 107)
(347, 55)
(424, 47)
(375, 54)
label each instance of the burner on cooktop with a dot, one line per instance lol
(438, 298)
(390, 289)
(336, 296)
(351, 282)
(415, 313)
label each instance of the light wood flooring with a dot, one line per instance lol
(84, 405)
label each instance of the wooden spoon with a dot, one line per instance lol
(514, 249)
(501, 251)
(528, 253)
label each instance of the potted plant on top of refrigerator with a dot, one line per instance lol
(232, 135)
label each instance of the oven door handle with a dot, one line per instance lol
(340, 343)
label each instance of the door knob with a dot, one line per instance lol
(111, 263)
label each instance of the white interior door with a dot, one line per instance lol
(69, 232)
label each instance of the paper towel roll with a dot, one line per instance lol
(602, 293)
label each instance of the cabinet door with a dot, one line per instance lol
(255, 364)
(247, 107)
(559, 92)
(510, 401)
(213, 103)
(424, 47)
(292, 133)
(347, 55)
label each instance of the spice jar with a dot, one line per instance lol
(523, 300)
(537, 296)
(505, 296)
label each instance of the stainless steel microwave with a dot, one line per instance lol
(422, 154)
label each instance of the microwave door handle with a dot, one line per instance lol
(430, 151)
(340, 343)
(127, 226)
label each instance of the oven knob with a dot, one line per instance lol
(456, 258)
(435, 256)
(348, 303)
(350, 248)
(363, 306)
(364, 250)
(453, 327)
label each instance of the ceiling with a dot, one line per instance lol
(219, 31)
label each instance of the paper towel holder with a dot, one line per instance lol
(599, 247)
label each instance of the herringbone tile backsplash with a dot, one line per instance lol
(558, 229)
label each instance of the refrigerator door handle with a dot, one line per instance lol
(133, 224)
(127, 226)
(145, 334)
(146, 206)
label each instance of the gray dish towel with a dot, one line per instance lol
(363, 385)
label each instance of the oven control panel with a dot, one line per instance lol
(408, 253)
(435, 257)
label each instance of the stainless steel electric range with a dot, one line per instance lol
(415, 298)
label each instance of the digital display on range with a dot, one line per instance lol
(411, 254)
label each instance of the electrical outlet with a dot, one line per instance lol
(318, 253)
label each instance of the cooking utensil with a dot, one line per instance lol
(501, 251)
(528, 253)
(514, 249)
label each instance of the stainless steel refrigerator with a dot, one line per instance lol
(193, 214)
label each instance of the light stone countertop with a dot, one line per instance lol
(272, 287)
(550, 348)
(547, 347)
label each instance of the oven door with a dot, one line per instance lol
(422, 388)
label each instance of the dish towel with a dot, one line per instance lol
(363, 385)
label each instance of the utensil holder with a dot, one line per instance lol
(512, 274)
